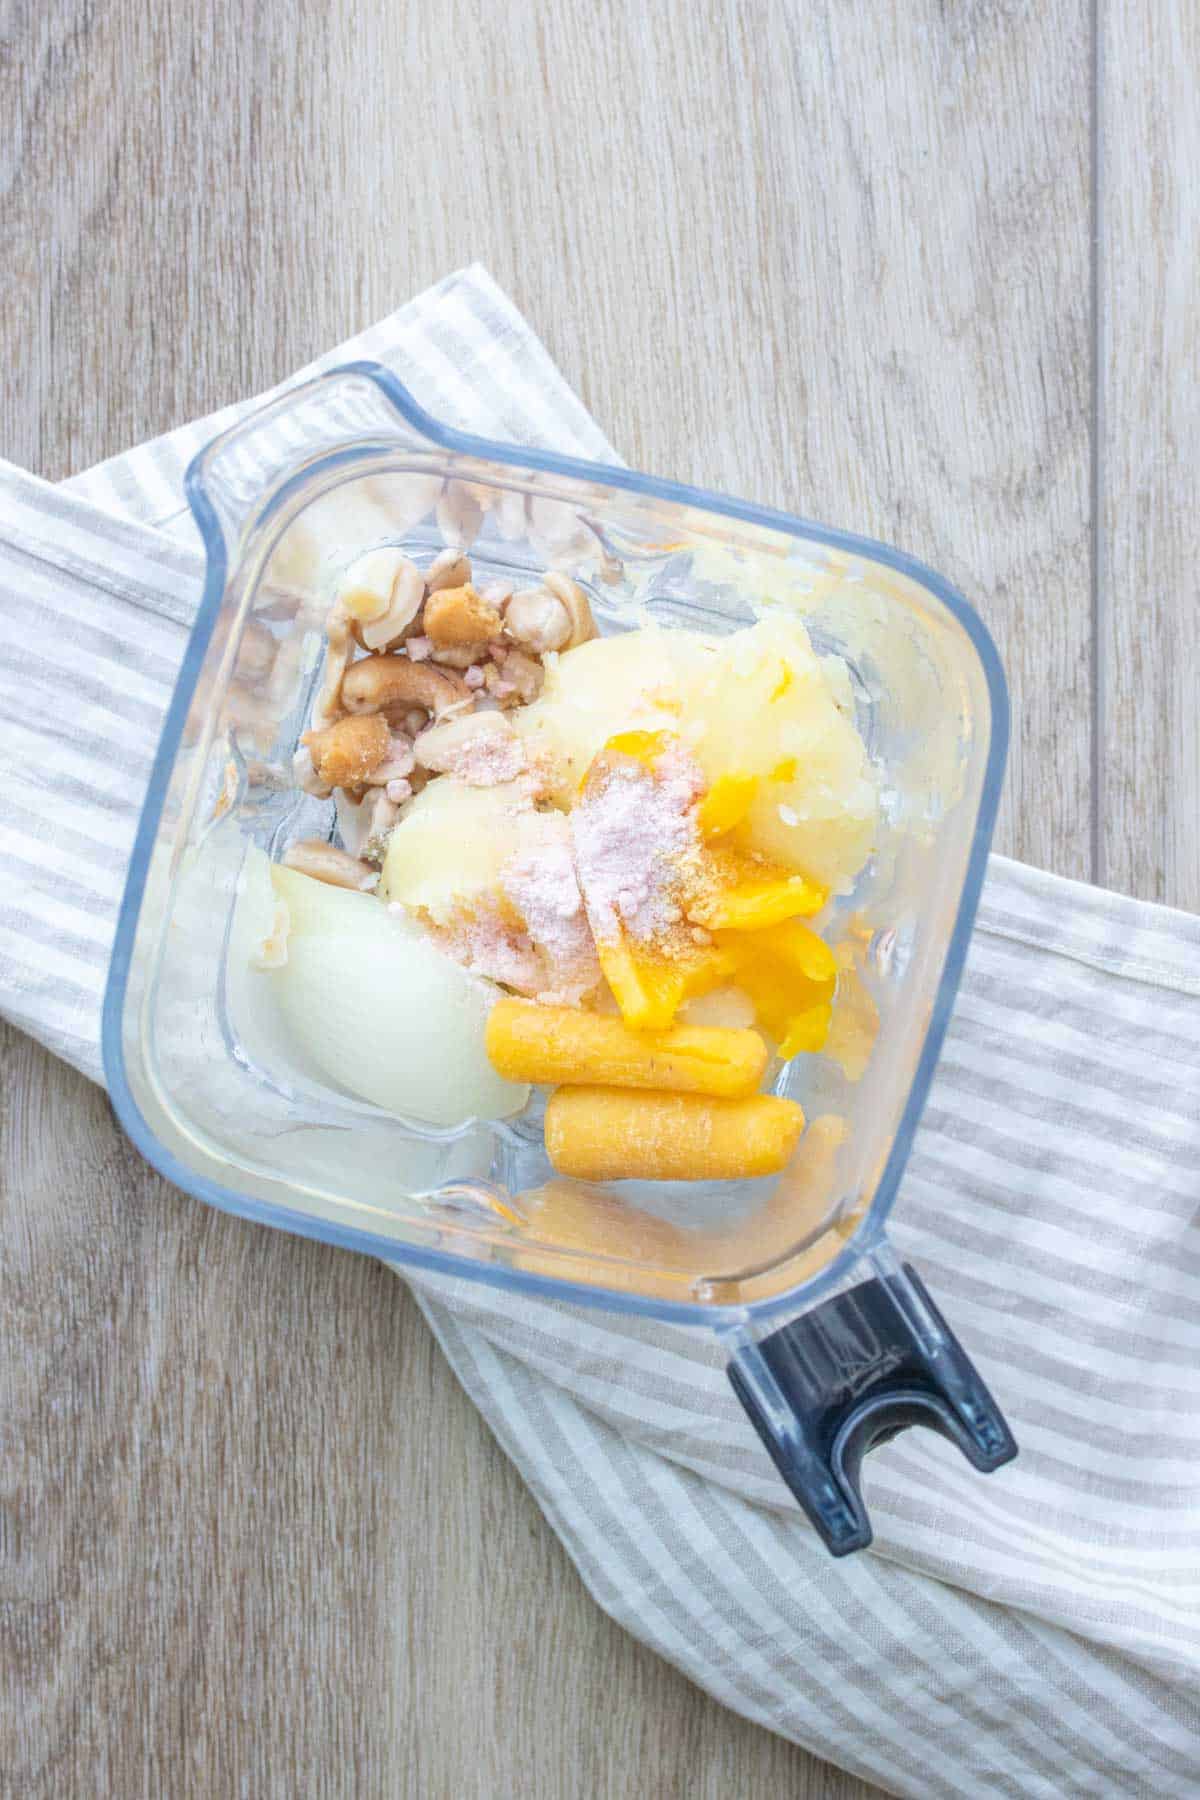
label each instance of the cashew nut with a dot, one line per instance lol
(479, 743)
(557, 531)
(538, 619)
(583, 626)
(381, 593)
(338, 651)
(325, 862)
(393, 686)
(407, 595)
(554, 616)
(347, 753)
(497, 593)
(459, 515)
(365, 823)
(449, 569)
(459, 616)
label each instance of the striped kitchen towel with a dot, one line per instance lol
(1036, 1633)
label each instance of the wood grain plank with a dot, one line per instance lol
(1149, 452)
(256, 1540)
(847, 248)
(835, 258)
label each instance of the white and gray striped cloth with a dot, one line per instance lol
(1033, 1633)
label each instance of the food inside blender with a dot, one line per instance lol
(595, 864)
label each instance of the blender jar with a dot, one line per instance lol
(833, 1344)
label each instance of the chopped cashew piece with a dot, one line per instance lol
(523, 675)
(449, 569)
(459, 616)
(458, 656)
(501, 692)
(382, 812)
(325, 862)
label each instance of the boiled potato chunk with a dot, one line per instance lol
(634, 681)
(771, 708)
(452, 843)
(769, 721)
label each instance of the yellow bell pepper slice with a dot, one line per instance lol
(648, 994)
(644, 746)
(755, 903)
(790, 975)
(726, 804)
(793, 951)
(649, 989)
(806, 1031)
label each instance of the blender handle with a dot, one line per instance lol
(829, 1386)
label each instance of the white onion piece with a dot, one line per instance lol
(373, 1004)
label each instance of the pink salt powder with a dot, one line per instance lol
(541, 884)
(487, 944)
(485, 759)
(398, 762)
(613, 864)
(632, 832)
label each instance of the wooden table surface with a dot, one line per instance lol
(926, 269)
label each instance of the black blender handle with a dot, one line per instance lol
(829, 1386)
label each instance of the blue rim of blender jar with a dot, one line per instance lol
(717, 1317)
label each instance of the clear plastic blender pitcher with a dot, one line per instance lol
(833, 1344)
